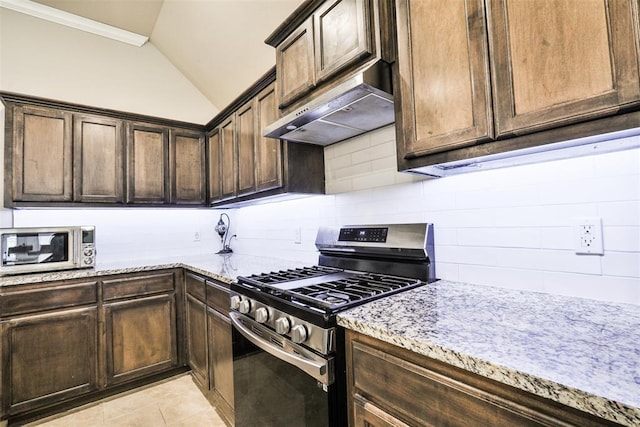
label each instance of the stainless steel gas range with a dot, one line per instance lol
(289, 367)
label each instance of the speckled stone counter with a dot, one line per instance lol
(221, 267)
(579, 352)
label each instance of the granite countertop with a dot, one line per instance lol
(221, 267)
(579, 352)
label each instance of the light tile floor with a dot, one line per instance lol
(176, 402)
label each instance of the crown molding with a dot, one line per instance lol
(74, 21)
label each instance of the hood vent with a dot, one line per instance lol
(359, 104)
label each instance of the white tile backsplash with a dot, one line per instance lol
(509, 227)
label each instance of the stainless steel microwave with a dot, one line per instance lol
(33, 250)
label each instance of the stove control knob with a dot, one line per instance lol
(262, 315)
(245, 306)
(299, 334)
(282, 325)
(235, 302)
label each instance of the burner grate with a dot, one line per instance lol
(334, 294)
(292, 274)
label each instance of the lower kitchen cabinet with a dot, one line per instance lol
(140, 337)
(209, 342)
(47, 358)
(69, 342)
(391, 386)
(221, 363)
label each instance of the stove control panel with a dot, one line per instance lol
(297, 330)
(356, 234)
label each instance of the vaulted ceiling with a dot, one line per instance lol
(217, 44)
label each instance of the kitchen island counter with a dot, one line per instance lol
(579, 352)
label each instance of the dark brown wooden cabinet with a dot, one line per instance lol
(196, 318)
(209, 342)
(187, 167)
(147, 164)
(246, 147)
(40, 151)
(65, 343)
(442, 90)
(506, 69)
(546, 73)
(141, 334)
(48, 358)
(268, 150)
(98, 159)
(49, 344)
(228, 159)
(337, 35)
(392, 386)
(214, 164)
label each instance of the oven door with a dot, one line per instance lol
(279, 383)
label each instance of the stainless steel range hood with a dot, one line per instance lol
(359, 104)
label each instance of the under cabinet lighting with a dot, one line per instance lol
(70, 20)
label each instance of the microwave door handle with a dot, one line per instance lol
(319, 371)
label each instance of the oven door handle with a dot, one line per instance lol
(319, 368)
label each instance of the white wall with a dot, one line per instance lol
(509, 227)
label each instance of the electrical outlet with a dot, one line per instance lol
(297, 239)
(196, 236)
(588, 236)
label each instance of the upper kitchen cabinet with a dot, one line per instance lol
(61, 154)
(323, 39)
(39, 143)
(268, 150)
(98, 161)
(559, 62)
(187, 167)
(147, 164)
(476, 77)
(244, 165)
(442, 89)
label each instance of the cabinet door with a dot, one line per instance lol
(42, 155)
(221, 362)
(197, 340)
(342, 35)
(268, 150)
(563, 61)
(147, 164)
(98, 159)
(295, 64)
(366, 414)
(187, 167)
(214, 157)
(246, 148)
(48, 358)
(140, 337)
(443, 88)
(228, 158)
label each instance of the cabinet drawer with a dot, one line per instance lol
(195, 286)
(137, 286)
(49, 298)
(218, 297)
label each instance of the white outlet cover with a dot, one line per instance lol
(588, 236)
